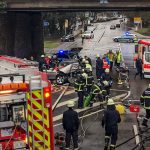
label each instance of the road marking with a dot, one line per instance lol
(137, 139)
(59, 117)
(65, 103)
(69, 92)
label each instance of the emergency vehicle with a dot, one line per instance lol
(25, 107)
(13, 125)
(142, 49)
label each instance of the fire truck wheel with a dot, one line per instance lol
(60, 79)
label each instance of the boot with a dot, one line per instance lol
(144, 123)
(106, 143)
(106, 148)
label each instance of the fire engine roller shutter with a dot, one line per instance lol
(38, 127)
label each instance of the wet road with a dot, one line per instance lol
(102, 42)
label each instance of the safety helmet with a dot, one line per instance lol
(105, 82)
(86, 62)
(70, 104)
(149, 85)
(107, 70)
(97, 55)
(83, 60)
(110, 102)
(42, 56)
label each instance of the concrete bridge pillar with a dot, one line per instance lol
(21, 34)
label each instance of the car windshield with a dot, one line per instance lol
(147, 57)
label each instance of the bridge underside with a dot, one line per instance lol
(52, 5)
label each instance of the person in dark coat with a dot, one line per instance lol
(139, 64)
(99, 67)
(110, 120)
(145, 101)
(42, 63)
(71, 125)
(89, 60)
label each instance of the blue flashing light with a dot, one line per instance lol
(127, 33)
(61, 51)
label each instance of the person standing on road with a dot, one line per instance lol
(99, 66)
(111, 57)
(42, 63)
(145, 101)
(110, 120)
(139, 64)
(118, 58)
(79, 88)
(71, 125)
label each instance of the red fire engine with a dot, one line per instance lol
(142, 50)
(22, 125)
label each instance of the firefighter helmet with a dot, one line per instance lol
(97, 55)
(42, 56)
(107, 70)
(110, 102)
(86, 62)
(70, 103)
(105, 83)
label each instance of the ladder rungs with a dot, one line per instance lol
(39, 131)
(36, 99)
(39, 120)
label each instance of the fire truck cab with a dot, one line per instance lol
(13, 125)
(142, 50)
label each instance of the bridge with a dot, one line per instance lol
(76, 5)
(21, 27)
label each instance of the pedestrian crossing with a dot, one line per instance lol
(71, 95)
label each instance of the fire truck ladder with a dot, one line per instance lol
(36, 84)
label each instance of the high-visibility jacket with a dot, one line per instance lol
(145, 98)
(105, 64)
(119, 58)
(95, 89)
(111, 56)
(79, 84)
(88, 66)
(88, 79)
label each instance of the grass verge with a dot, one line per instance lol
(144, 31)
(51, 44)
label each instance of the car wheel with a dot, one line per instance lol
(75, 57)
(60, 79)
(116, 40)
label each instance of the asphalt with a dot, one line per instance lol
(94, 137)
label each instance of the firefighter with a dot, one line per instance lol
(110, 120)
(87, 65)
(99, 67)
(139, 64)
(42, 63)
(89, 59)
(107, 81)
(79, 88)
(71, 125)
(118, 58)
(88, 80)
(111, 57)
(145, 101)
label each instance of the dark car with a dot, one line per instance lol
(112, 27)
(117, 25)
(68, 38)
(68, 54)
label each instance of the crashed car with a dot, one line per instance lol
(67, 71)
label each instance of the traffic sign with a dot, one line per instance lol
(45, 23)
(137, 19)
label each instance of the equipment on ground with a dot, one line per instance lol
(120, 108)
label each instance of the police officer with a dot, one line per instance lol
(139, 68)
(110, 120)
(79, 87)
(145, 100)
(107, 81)
(99, 66)
(111, 57)
(71, 125)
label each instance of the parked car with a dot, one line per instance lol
(117, 25)
(112, 27)
(124, 38)
(88, 35)
(68, 38)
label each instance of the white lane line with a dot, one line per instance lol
(69, 92)
(65, 103)
(59, 117)
(82, 116)
(57, 101)
(137, 138)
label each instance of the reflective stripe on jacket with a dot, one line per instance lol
(79, 86)
(119, 57)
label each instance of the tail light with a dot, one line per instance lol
(47, 96)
